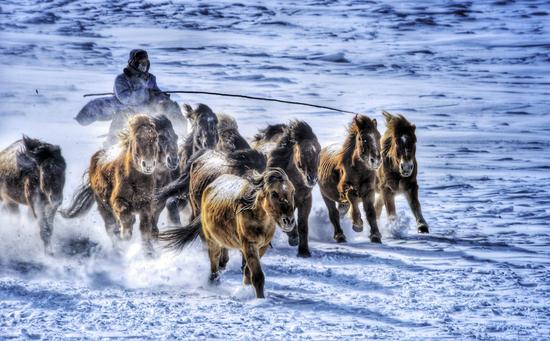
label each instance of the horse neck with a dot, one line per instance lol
(389, 158)
(348, 154)
(282, 155)
(128, 161)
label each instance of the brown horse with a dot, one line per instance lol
(32, 173)
(123, 184)
(295, 149)
(168, 160)
(240, 214)
(350, 172)
(399, 169)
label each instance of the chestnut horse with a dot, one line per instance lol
(295, 149)
(32, 173)
(123, 184)
(350, 172)
(240, 214)
(399, 169)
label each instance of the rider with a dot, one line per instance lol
(136, 89)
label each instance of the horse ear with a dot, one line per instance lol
(189, 111)
(374, 122)
(387, 116)
(414, 127)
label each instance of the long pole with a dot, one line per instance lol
(239, 96)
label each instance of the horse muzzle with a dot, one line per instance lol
(287, 224)
(148, 167)
(406, 168)
(172, 162)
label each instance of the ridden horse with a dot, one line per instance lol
(123, 184)
(32, 173)
(399, 169)
(349, 172)
(240, 214)
(295, 149)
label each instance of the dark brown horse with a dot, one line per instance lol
(349, 172)
(203, 135)
(123, 184)
(32, 173)
(295, 149)
(240, 214)
(399, 169)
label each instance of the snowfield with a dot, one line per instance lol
(473, 76)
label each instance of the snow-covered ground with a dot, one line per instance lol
(473, 76)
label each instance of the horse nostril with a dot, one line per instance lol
(143, 164)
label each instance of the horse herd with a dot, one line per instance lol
(238, 192)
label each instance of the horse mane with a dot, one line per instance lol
(270, 132)
(200, 109)
(259, 182)
(357, 125)
(300, 131)
(226, 122)
(396, 125)
(41, 151)
(162, 122)
(246, 159)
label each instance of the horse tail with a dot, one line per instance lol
(177, 238)
(82, 201)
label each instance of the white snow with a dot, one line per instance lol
(473, 76)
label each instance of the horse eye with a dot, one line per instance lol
(274, 195)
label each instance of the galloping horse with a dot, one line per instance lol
(350, 172)
(295, 149)
(32, 173)
(399, 169)
(123, 186)
(240, 214)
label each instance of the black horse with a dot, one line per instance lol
(32, 173)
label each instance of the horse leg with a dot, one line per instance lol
(257, 277)
(109, 220)
(411, 194)
(214, 253)
(172, 206)
(45, 224)
(125, 217)
(357, 222)
(245, 271)
(146, 227)
(334, 219)
(370, 212)
(388, 198)
(378, 205)
(304, 208)
(224, 258)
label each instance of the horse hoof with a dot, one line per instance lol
(423, 228)
(340, 238)
(293, 240)
(357, 228)
(343, 208)
(304, 253)
(214, 278)
(376, 239)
